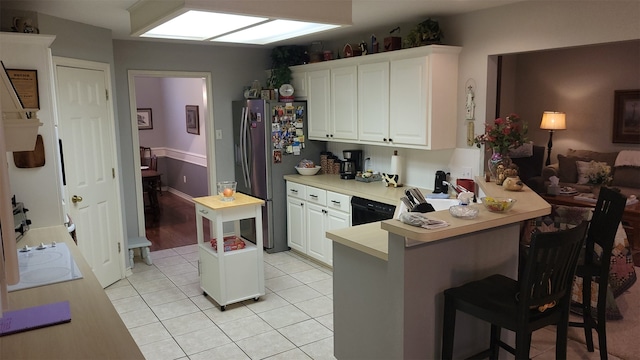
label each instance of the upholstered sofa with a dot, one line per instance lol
(625, 170)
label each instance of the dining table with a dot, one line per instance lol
(150, 181)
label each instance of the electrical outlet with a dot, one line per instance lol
(184, 179)
(466, 173)
(218, 134)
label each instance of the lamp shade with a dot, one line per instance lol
(553, 120)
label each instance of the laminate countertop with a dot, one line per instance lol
(371, 238)
(96, 331)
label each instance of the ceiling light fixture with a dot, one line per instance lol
(236, 21)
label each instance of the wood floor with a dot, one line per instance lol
(175, 225)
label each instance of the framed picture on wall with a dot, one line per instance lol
(193, 119)
(145, 122)
(626, 117)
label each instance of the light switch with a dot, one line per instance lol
(218, 134)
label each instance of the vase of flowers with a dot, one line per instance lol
(599, 175)
(501, 135)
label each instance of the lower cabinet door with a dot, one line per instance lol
(335, 220)
(296, 235)
(316, 221)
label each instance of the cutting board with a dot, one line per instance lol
(30, 159)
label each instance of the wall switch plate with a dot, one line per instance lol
(218, 134)
(466, 173)
(184, 179)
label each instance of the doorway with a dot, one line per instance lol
(187, 147)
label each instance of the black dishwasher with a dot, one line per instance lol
(365, 211)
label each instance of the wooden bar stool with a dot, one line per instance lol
(540, 298)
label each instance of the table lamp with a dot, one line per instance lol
(552, 120)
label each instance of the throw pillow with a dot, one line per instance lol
(583, 168)
(626, 176)
(609, 158)
(567, 168)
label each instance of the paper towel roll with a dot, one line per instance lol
(397, 166)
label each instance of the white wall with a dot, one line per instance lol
(580, 82)
(529, 26)
(518, 28)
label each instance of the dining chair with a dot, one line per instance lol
(153, 165)
(540, 298)
(145, 156)
(594, 267)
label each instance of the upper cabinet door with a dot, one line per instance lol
(373, 102)
(409, 101)
(299, 83)
(319, 105)
(344, 102)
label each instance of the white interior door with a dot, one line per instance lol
(86, 130)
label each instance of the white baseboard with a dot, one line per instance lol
(181, 194)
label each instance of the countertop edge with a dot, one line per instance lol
(367, 238)
(530, 206)
(374, 190)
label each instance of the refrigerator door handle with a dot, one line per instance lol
(244, 143)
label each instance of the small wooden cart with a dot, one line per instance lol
(230, 276)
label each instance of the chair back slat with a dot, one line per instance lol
(550, 266)
(604, 225)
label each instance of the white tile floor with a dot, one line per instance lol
(163, 307)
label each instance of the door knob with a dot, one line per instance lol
(76, 199)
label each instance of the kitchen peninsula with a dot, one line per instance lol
(388, 302)
(96, 331)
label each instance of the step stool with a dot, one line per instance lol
(143, 244)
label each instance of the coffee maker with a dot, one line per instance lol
(351, 165)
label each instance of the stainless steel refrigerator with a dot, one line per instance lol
(269, 141)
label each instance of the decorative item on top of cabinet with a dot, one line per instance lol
(281, 58)
(425, 33)
(393, 42)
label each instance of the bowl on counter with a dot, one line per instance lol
(464, 211)
(497, 204)
(308, 170)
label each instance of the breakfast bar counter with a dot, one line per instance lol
(389, 306)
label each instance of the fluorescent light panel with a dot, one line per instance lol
(273, 31)
(201, 25)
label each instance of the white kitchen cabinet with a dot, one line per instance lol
(296, 234)
(318, 109)
(409, 100)
(311, 212)
(229, 276)
(422, 100)
(344, 103)
(333, 110)
(299, 83)
(373, 102)
(405, 98)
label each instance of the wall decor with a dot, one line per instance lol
(145, 122)
(25, 82)
(193, 119)
(626, 117)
